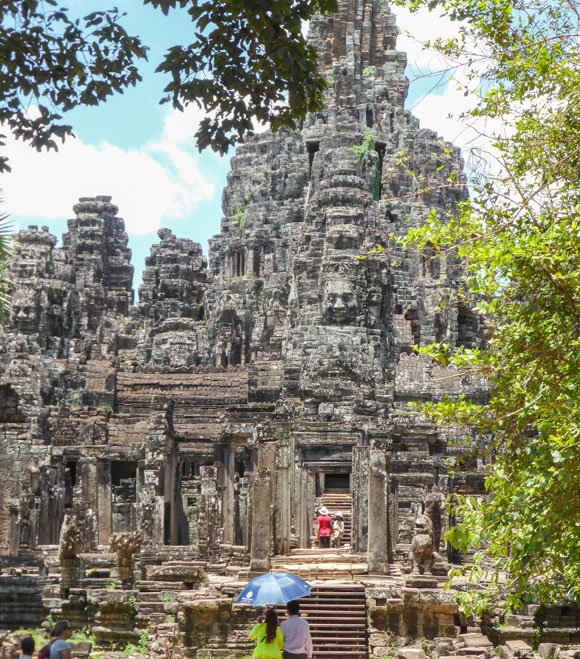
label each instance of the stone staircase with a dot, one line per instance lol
(338, 620)
(343, 502)
(313, 564)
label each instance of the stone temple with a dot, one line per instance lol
(209, 419)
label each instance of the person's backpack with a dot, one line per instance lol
(44, 653)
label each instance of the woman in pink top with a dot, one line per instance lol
(323, 528)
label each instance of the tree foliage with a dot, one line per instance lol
(248, 61)
(519, 238)
(53, 63)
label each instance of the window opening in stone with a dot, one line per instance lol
(70, 479)
(257, 261)
(9, 405)
(240, 469)
(338, 483)
(466, 327)
(377, 189)
(239, 263)
(123, 471)
(187, 470)
(312, 148)
(413, 317)
(71, 469)
(370, 118)
(167, 523)
(236, 354)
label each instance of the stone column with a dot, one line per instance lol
(359, 488)
(262, 510)
(283, 496)
(14, 533)
(88, 477)
(377, 554)
(104, 494)
(393, 516)
(226, 461)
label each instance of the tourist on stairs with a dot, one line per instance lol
(296, 632)
(338, 529)
(323, 528)
(269, 635)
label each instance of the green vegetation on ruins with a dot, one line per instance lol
(519, 238)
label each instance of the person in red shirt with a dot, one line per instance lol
(323, 528)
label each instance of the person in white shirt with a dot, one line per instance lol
(296, 633)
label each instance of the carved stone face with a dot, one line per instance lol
(339, 302)
(25, 311)
(175, 349)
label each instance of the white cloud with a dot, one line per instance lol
(416, 30)
(162, 180)
(445, 108)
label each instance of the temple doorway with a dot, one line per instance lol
(336, 483)
(335, 494)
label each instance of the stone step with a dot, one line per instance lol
(475, 640)
(337, 617)
(473, 651)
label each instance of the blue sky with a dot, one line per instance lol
(143, 154)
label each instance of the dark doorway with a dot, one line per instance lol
(339, 483)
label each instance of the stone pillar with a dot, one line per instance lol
(377, 554)
(14, 533)
(360, 492)
(393, 516)
(262, 506)
(226, 480)
(283, 496)
(308, 495)
(104, 494)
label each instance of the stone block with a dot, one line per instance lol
(549, 650)
(411, 653)
(515, 648)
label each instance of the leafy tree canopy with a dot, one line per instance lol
(519, 238)
(55, 64)
(247, 60)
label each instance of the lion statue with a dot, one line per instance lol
(422, 546)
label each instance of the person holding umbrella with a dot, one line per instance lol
(269, 635)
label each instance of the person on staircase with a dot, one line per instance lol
(323, 528)
(296, 633)
(269, 635)
(338, 529)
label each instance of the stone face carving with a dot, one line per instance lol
(422, 547)
(339, 302)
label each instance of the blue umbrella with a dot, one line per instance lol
(273, 588)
